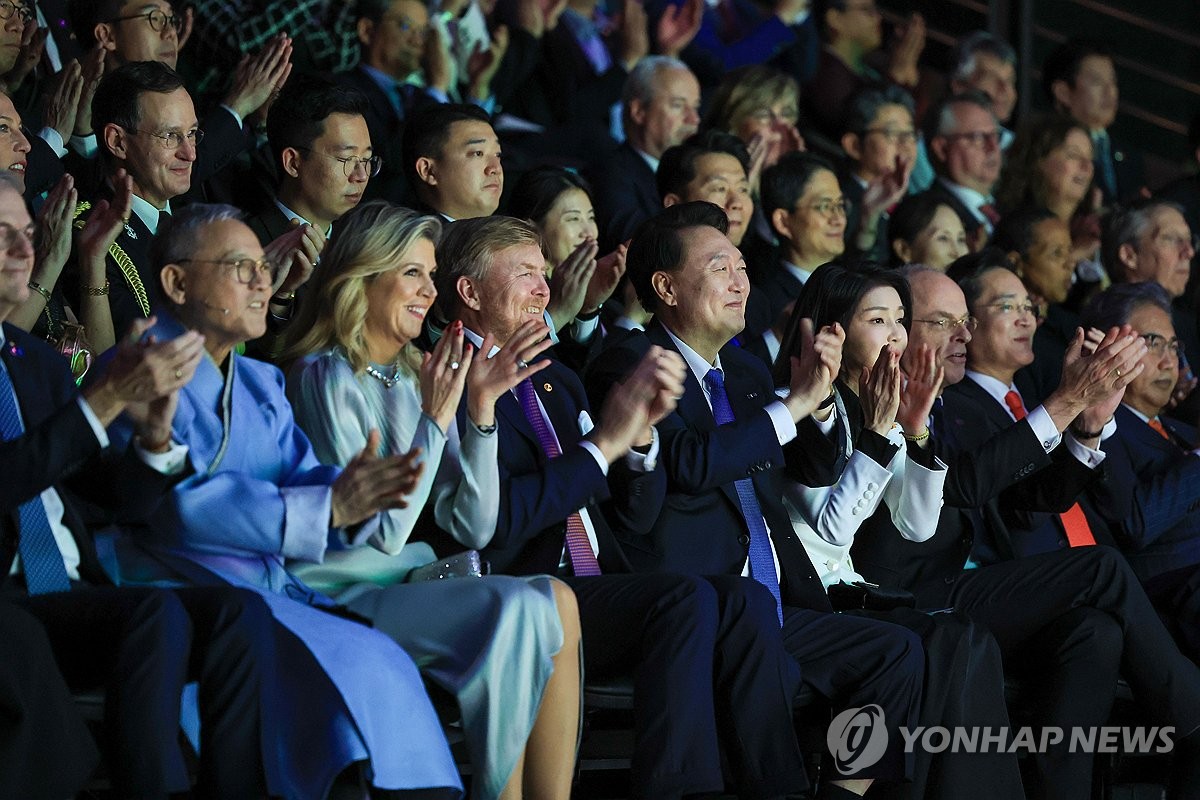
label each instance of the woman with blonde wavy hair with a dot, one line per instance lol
(507, 648)
(761, 106)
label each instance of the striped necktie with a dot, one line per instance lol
(41, 559)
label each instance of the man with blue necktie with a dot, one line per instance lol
(61, 478)
(722, 451)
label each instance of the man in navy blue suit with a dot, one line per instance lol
(701, 650)
(139, 644)
(722, 450)
(1151, 503)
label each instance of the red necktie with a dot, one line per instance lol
(990, 211)
(1074, 521)
(1158, 426)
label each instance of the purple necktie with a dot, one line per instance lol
(762, 563)
(579, 549)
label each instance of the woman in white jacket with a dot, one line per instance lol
(888, 467)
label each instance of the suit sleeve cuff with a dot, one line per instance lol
(94, 422)
(1044, 428)
(596, 454)
(781, 418)
(550, 324)
(53, 138)
(236, 115)
(1085, 455)
(644, 462)
(171, 462)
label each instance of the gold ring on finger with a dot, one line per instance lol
(178, 374)
(1117, 372)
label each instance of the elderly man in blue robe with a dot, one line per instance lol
(258, 495)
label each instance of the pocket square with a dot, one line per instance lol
(585, 423)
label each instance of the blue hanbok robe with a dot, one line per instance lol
(258, 496)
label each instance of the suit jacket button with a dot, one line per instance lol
(744, 540)
(766, 465)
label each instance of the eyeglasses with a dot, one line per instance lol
(894, 136)
(7, 9)
(244, 269)
(157, 18)
(1159, 344)
(1006, 307)
(173, 140)
(830, 208)
(947, 325)
(987, 139)
(10, 236)
(351, 163)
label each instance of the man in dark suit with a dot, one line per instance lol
(881, 145)
(1080, 79)
(1152, 497)
(148, 131)
(1151, 240)
(964, 146)
(722, 453)
(141, 645)
(452, 160)
(701, 650)
(394, 35)
(325, 159)
(660, 107)
(1072, 619)
(148, 30)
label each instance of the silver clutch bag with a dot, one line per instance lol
(467, 564)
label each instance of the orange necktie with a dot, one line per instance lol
(1158, 426)
(1074, 521)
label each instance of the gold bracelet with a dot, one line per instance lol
(94, 292)
(918, 438)
(37, 287)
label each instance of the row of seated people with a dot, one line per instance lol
(531, 512)
(690, 436)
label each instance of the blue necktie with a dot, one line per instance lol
(40, 556)
(762, 563)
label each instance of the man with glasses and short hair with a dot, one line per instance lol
(153, 30)
(986, 63)
(964, 145)
(324, 157)
(1149, 240)
(881, 146)
(149, 135)
(1074, 618)
(1152, 498)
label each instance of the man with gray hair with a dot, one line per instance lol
(1149, 240)
(964, 145)
(986, 63)
(1152, 498)
(660, 107)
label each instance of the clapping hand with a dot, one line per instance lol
(371, 483)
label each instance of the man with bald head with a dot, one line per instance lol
(964, 145)
(660, 108)
(1066, 615)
